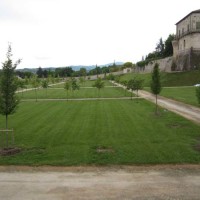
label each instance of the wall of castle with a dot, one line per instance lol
(188, 24)
(188, 41)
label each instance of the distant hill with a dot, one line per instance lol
(74, 67)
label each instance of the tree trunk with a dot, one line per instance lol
(156, 105)
(131, 94)
(6, 131)
(35, 94)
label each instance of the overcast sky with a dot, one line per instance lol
(71, 32)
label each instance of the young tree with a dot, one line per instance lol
(124, 83)
(198, 93)
(131, 86)
(8, 87)
(155, 83)
(45, 85)
(67, 87)
(74, 85)
(99, 84)
(35, 84)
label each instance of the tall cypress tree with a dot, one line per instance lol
(8, 87)
(155, 83)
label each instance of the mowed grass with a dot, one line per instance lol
(61, 93)
(70, 133)
(184, 94)
(87, 83)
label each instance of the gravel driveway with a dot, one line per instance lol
(92, 183)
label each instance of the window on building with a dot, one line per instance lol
(184, 44)
(179, 33)
(188, 27)
(182, 31)
(198, 25)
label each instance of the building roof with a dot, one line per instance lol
(195, 11)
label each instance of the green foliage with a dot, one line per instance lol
(168, 46)
(111, 77)
(135, 84)
(67, 85)
(45, 83)
(8, 87)
(128, 65)
(156, 84)
(74, 84)
(99, 84)
(198, 93)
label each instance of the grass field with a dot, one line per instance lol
(188, 78)
(88, 83)
(60, 93)
(183, 94)
(100, 132)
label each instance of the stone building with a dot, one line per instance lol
(186, 46)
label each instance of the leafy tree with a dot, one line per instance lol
(8, 87)
(83, 72)
(39, 72)
(134, 84)
(128, 65)
(125, 83)
(198, 93)
(67, 87)
(168, 46)
(74, 85)
(155, 83)
(130, 86)
(160, 48)
(99, 84)
(45, 85)
(105, 70)
(35, 84)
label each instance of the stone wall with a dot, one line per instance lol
(165, 65)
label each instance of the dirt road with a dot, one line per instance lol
(101, 183)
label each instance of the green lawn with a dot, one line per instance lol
(60, 93)
(183, 94)
(69, 133)
(84, 84)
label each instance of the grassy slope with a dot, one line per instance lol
(67, 133)
(169, 79)
(186, 95)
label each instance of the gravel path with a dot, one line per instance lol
(101, 183)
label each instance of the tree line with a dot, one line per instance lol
(162, 50)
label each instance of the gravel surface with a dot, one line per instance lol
(91, 183)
